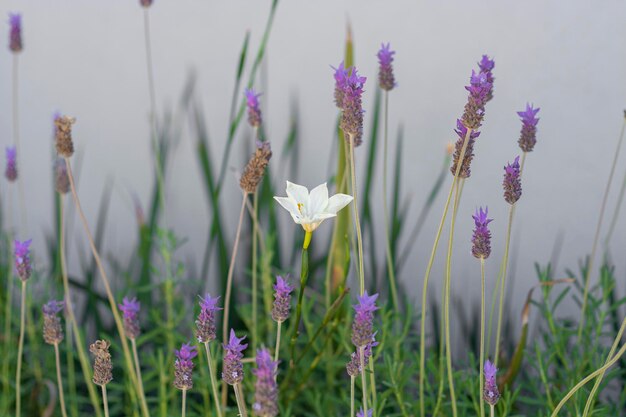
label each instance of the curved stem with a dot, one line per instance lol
(390, 266)
(505, 261)
(142, 394)
(20, 349)
(587, 379)
(216, 399)
(229, 283)
(482, 336)
(107, 285)
(59, 379)
(80, 348)
(357, 221)
(596, 385)
(429, 267)
(597, 234)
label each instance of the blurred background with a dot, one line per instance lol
(87, 59)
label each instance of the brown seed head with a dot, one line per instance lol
(102, 367)
(64, 144)
(255, 169)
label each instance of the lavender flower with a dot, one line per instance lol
(282, 299)
(183, 366)
(362, 414)
(206, 319)
(353, 367)
(352, 115)
(341, 75)
(486, 66)
(61, 180)
(15, 34)
(11, 171)
(461, 132)
(490, 393)
(266, 391)
(232, 368)
(52, 330)
(146, 3)
(254, 110)
(130, 308)
(528, 135)
(474, 111)
(102, 366)
(512, 183)
(22, 259)
(481, 239)
(362, 326)
(385, 73)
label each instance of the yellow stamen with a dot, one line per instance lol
(300, 205)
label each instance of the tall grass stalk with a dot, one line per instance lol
(109, 292)
(427, 276)
(209, 359)
(390, 266)
(80, 348)
(620, 199)
(229, 283)
(588, 378)
(482, 337)
(59, 379)
(597, 234)
(596, 385)
(357, 223)
(20, 350)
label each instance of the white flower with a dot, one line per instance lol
(311, 209)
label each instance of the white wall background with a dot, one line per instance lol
(86, 58)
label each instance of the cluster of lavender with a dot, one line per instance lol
(491, 393)
(23, 265)
(348, 92)
(183, 366)
(52, 330)
(254, 107)
(480, 92)
(481, 239)
(15, 32)
(11, 170)
(386, 79)
(232, 371)
(102, 367)
(205, 323)
(282, 300)
(266, 390)
(130, 309)
(363, 335)
(512, 183)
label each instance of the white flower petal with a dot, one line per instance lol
(298, 192)
(318, 200)
(290, 205)
(337, 202)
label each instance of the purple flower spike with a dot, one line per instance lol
(490, 393)
(512, 182)
(15, 34)
(354, 365)
(363, 324)
(266, 391)
(22, 259)
(486, 66)
(11, 171)
(362, 414)
(282, 299)
(352, 114)
(206, 319)
(254, 109)
(481, 240)
(528, 135)
(461, 132)
(130, 308)
(146, 3)
(183, 366)
(474, 111)
(52, 330)
(232, 368)
(385, 73)
(341, 75)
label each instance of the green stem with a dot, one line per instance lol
(304, 276)
(20, 349)
(596, 385)
(588, 378)
(357, 221)
(241, 403)
(363, 380)
(390, 267)
(209, 359)
(429, 267)
(59, 379)
(16, 138)
(482, 336)
(352, 383)
(620, 199)
(105, 401)
(277, 349)
(505, 261)
(142, 394)
(597, 235)
(492, 412)
(8, 313)
(184, 405)
(255, 237)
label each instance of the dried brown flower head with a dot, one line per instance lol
(102, 366)
(64, 144)
(255, 169)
